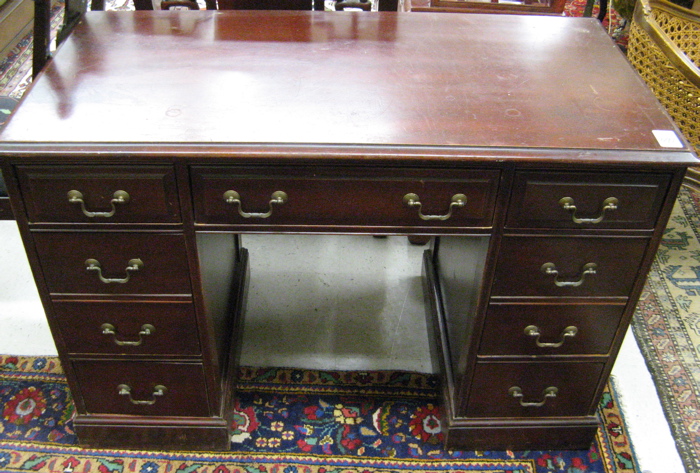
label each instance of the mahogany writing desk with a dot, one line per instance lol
(526, 145)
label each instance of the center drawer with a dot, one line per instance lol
(327, 197)
(113, 262)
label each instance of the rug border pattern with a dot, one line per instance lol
(616, 452)
(655, 319)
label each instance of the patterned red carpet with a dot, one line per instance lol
(288, 421)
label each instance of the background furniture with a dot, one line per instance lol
(5, 207)
(664, 48)
(15, 22)
(536, 7)
(546, 201)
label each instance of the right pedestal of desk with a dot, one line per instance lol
(527, 321)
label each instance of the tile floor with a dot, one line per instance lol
(366, 313)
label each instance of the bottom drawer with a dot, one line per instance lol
(142, 388)
(534, 389)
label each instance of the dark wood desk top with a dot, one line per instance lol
(366, 81)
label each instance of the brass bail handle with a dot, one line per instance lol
(119, 197)
(609, 204)
(109, 329)
(133, 265)
(412, 200)
(550, 269)
(277, 198)
(534, 331)
(549, 393)
(158, 391)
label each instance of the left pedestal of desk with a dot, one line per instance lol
(146, 351)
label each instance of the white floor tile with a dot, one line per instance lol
(335, 302)
(651, 435)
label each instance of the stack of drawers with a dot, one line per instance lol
(531, 285)
(569, 267)
(114, 262)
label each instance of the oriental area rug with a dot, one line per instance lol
(288, 421)
(667, 325)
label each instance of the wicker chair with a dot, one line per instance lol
(664, 46)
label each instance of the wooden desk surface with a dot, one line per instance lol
(435, 80)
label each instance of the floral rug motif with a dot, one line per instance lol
(288, 421)
(667, 325)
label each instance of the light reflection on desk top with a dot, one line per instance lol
(357, 78)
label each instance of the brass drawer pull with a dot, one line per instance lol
(119, 197)
(234, 198)
(550, 269)
(133, 265)
(548, 393)
(158, 390)
(412, 200)
(609, 204)
(146, 329)
(534, 331)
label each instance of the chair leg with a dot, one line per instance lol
(603, 10)
(42, 35)
(418, 239)
(143, 5)
(388, 5)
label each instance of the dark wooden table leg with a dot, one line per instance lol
(143, 5)
(42, 35)
(388, 5)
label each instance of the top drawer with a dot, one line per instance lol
(586, 200)
(100, 194)
(345, 196)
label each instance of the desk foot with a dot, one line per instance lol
(165, 433)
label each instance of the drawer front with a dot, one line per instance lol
(128, 328)
(142, 388)
(104, 194)
(317, 196)
(532, 389)
(550, 329)
(587, 200)
(568, 266)
(66, 256)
